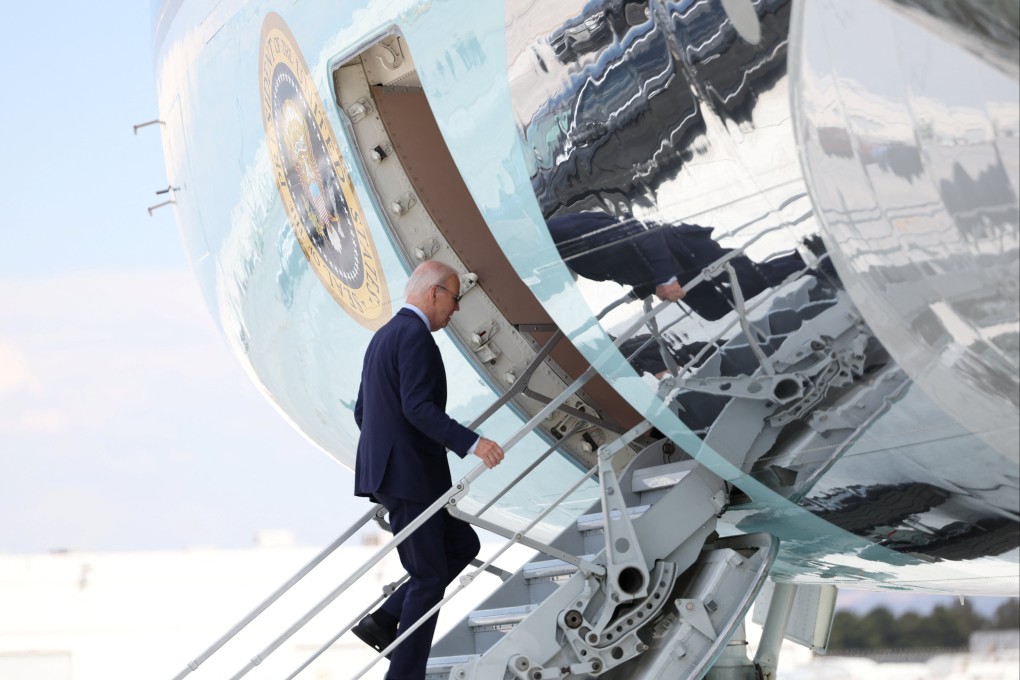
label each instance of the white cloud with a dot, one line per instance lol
(15, 373)
(81, 351)
(126, 423)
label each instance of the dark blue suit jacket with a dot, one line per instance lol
(601, 247)
(401, 410)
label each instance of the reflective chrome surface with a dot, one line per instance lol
(912, 152)
(659, 115)
(662, 138)
(989, 29)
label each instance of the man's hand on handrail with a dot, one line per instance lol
(489, 451)
(671, 291)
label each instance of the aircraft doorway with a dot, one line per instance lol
(431, 214)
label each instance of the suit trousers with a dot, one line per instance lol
(432, 556)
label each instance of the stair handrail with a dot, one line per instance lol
(262, 606)
(655, 337)
(377, 509)
(451, 497)
(461, 489)
(467, 579)
(388, 590)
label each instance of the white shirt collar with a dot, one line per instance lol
(421, 315)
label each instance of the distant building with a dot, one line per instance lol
(76, 615)
(991, 642)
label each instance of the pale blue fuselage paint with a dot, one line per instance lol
(301, 348)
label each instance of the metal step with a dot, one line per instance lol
(543, 577)
(549, 569)
(592, 528)
(438, 668)
(595, 521)
(501, 619)
(661, 477)
(489, 625)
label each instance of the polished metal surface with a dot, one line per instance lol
(912, 153)
(663, 136)
(675, 119)
(989, 29)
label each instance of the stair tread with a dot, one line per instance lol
(435, 661)
(661, 476)
(549, 568)
(500, 615)
(595, 521)
(439, 667)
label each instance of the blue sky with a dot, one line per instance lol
(125, 424)
(124, 421)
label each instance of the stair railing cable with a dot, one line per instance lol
(523, 539)
(387, 591)
(656, 337)
(646, 319)
(451, 497)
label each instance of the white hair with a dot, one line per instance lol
(427, 274)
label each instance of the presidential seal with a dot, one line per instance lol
(314, 183)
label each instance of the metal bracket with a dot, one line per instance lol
(381, 151)
(782, 388)
(626, 570)
(694, 613)
(359, 109)
(388, 53)
(467, 282)
(426, 249)
(402, 203)
(615, 641)
(483, 334)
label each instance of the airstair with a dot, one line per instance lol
(643, 586)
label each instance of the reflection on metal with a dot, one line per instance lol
(911, 152)
(989, 29)
(863, 231)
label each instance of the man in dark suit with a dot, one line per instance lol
(662, 259)
(401, 462)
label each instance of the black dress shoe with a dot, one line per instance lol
(374, 635)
